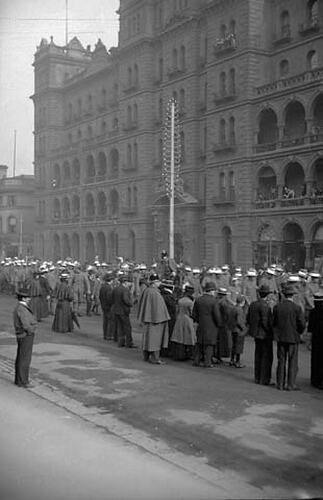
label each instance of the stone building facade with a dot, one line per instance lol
(17, 214)
(247, 77)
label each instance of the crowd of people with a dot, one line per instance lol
(197, 314)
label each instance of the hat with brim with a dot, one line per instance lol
(222, 291)
(264, 290)
(23, 292)
(288, 290)
(209, 286)
(154, 277)
(318, 297)
(315, 275)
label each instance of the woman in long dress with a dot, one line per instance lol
(63, 321)
(184, 336)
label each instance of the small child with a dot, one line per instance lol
(238, 332)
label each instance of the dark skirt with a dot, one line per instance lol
(63, 321)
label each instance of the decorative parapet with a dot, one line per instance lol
(314, 75)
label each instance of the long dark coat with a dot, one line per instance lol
(63, 321)
(207, 314)
(289, 322)
(315, 326)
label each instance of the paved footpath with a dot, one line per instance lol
(246, 440)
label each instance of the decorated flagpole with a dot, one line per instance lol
(172, 184)
(172, 159)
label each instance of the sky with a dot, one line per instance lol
(23, 23)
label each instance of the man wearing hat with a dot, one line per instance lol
(154, 316)
(289, 324)
(25, 325)
(105, 297)
(207, 314)
(315, 326)
(122, 303)
(260, 321)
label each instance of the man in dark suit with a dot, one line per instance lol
(122, 303)
(206, 313)
(289, 324)
(105, 297)
(260, 321)
(25, 325)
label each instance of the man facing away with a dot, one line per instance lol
(25, 325)
(207, 314)
(105, 296)
(289, 324)
(260, 321)
(122, 302)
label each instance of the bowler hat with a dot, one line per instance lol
(209, 286)
(264, 290)
(154, 277)
(23, 292)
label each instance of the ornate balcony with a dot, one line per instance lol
(309, 27)
(224, 98)
(283, 38)
(225, 45)
(314, 75)
(224, 148)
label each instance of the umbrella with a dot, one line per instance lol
(75, 319)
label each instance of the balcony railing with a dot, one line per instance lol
(298, 201)
(175, 72)
(223, 98)
(283, 37)
(313, 75)
(289, 142)
(225, 198)
(225, 45)
(309, 27)
(224, 147)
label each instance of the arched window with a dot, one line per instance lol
(160, 109)
(312, 60)
(90, 168)
(135, 197)
(284, 24)
(129, 115)
(114, 203)
(268, 128)
(114, 162)
(89, 103)
(12, 224)
(129, 155)
(231, 186)
(283, 68)
(129, 77)
(129, 197)
(102, 204)
(174, 59)
(135, 114)
(222, 132)
(79, 108)
(232, 133)
(232, 81)
(182, 101)
(313, 11)
(223, 84)
(89, 205)
(161, 69)
(222, 187)
(103, 98)
(89, 132)
(135, 75)
(223, 31)
(183, 58)
(102, 168)
(135, 155)
(232, 27)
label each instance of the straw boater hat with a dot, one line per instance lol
(314, 275)
(222, 291)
